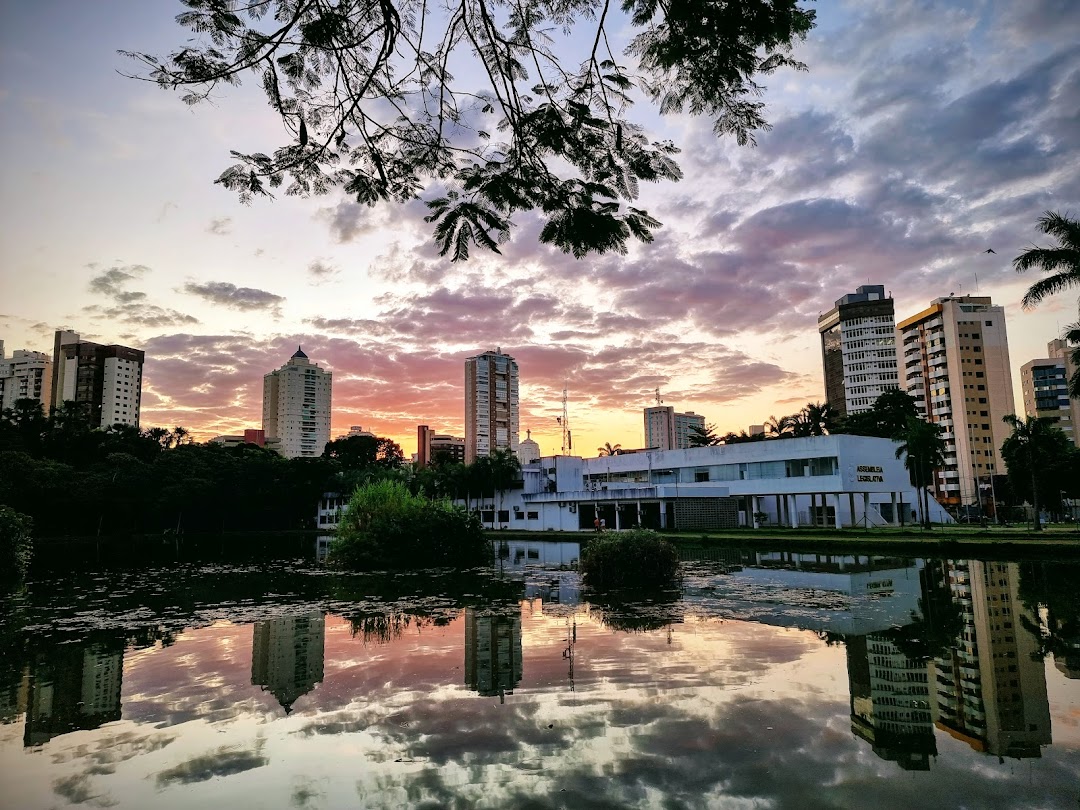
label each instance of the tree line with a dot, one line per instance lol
(74, 479)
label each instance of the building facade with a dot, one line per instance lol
(667, 430)
(528, 450)
(956, 365)
(858, 349)
(296, 407)
(25, 375)
(1045, 387)
(491, 404)
(431, 446)
(104, 381)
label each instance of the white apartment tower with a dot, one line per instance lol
(25, 375)
(858, 349)
(296, 407)
(491, 404)
(956, 365)
(103, 381)
(667, 430)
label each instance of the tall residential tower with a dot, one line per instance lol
(667, 430)
(491, 404)
(858, 349)
(25, 375)
(296, 407)
(105, 381)
(956, 365)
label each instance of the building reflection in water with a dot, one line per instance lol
(287, 656)
(890, 701)
(73, 687)
(492, 652)
(991, 687)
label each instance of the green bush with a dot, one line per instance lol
(634, 558)
(387, 527)
(16, 545)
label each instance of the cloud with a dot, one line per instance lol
(321, 270)
(112, 281)
(223, 762)
(220, 226)
(229, 295)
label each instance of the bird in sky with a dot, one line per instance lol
(990, 250)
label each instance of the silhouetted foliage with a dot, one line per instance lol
(703, 437)
(886, 419)
(633, 558)
(368, 103)
(1062, 261)
(1043, 464)
(923, 451)
(16, 544)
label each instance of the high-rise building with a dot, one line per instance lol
(296, 407)
(667, 430)
(287, 656)
(105, 381)
(1045, 385)
(491, 404)
(25, 375)
(492, 652)
(956, 365)
(890, 701)
(990, 688)
(431, 445)
(858, 349)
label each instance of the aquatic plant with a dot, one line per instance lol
(388, 527)
(633, 558)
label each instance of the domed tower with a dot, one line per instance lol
(528, 451)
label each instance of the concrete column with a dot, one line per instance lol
(663, 515)
(793, 510)
(895, 512)
(836, 512)
(813, 509)
(617, 522)
(639, 513)
(851, 506)
(779, 513)
(753, 511)
(866, 507)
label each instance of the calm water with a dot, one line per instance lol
(768, 680)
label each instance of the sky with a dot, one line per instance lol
(923, 133)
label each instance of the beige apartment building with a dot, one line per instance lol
(1045, 386)
(955, 357)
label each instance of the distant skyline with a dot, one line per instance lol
(923, 134)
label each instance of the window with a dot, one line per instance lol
(701, 476)
(534, 515)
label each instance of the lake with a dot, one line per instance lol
(769, 679)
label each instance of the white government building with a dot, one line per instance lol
(828, 481)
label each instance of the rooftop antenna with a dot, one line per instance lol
(976, 283)
(658, 400)
(564, 420)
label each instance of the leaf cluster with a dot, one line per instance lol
(365, 93)
(628, 559)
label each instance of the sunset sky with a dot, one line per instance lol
(923, 134)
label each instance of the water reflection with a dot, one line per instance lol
(287, 656)
(769, 677)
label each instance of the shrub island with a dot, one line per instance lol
(387, 527)
(629, 559)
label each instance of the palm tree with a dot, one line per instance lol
(923, 450)
(505, 470)
(1062, 260)
(1030, 437)
(609, 450)
(779, 428)
(820, 418)
(1072, 337)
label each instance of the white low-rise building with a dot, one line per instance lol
(830, 481)
(826, 481)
